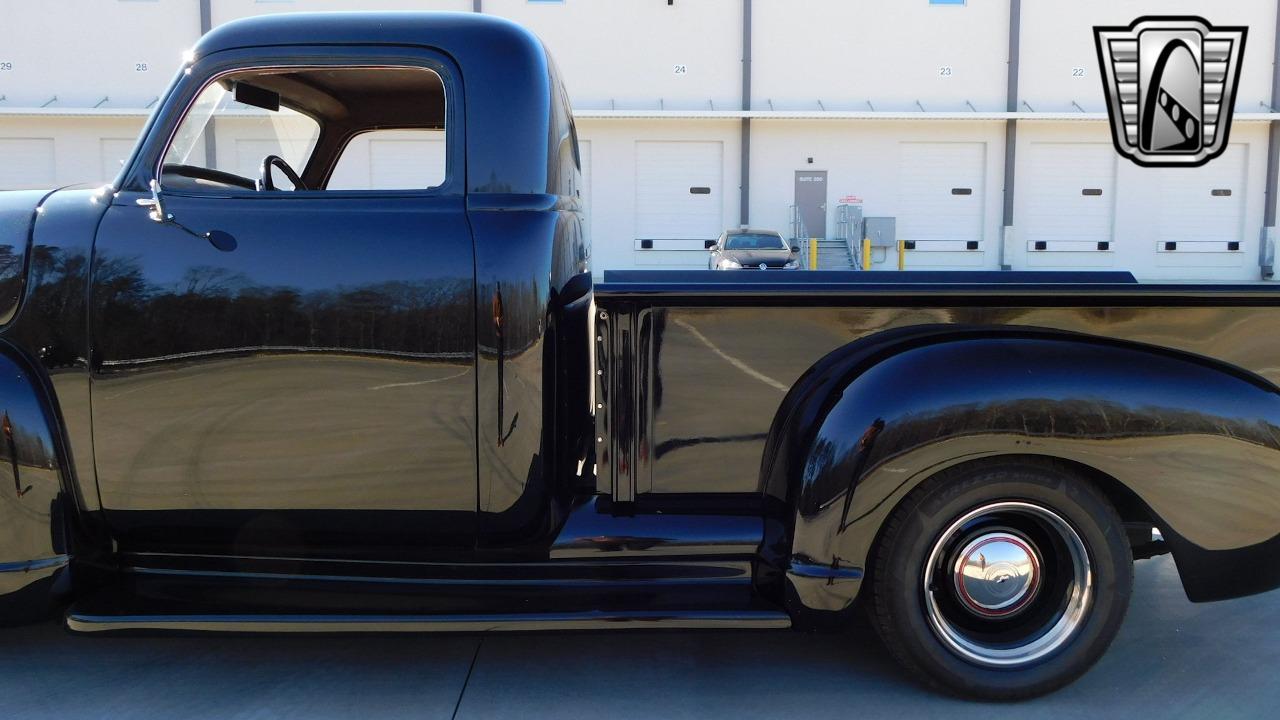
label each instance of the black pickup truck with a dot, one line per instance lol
(262, 402)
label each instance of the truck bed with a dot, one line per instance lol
(697, 366)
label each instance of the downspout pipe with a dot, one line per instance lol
(1010, 134)
(1267, 243)
(744, 186)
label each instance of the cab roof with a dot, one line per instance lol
(431, 29)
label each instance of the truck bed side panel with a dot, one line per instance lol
(722, 365)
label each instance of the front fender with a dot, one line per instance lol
(34, 552)
(1195, 440)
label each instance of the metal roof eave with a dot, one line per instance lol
(595, 114)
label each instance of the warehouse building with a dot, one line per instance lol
(976, 130)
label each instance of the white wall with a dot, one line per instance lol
(227, 10)
(625, 53)
(1058, 36)
(83, 50)
(891, 53)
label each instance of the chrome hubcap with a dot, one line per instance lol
(1007, 584)
(996, 574)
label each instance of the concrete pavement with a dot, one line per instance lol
(1173, 659)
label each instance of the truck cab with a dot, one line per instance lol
(388, 302)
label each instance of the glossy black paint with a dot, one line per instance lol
(308, 261)
(834, 444)
(402, 411)
(57, 531)
(17, 215)
(325, 364)
(1195, 442)
(34, 551)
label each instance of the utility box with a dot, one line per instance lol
(882, 231)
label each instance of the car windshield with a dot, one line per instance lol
(754, 241)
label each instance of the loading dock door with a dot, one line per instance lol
(1204, 204)
(678, 194)
(1070, 204)
(811, 202)
(406, 163)
(941, 192)
(113, 152)
(27, 164)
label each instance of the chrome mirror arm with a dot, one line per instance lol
(220, 239)
(157, 207)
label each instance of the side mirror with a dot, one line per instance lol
(709, 244)
(795, 248)
(220, 239)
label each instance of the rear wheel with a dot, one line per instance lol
(1002, 580)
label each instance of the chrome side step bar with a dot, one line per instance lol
(642, 620)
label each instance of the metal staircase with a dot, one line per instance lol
(833, 253)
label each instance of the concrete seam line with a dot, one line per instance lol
(467, 680)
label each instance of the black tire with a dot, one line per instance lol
(930, 631)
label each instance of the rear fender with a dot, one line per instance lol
(1197, 441)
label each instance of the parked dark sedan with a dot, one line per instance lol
(752, 249)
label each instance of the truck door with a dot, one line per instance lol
(286, 365)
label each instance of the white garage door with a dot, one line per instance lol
(678, 193)
(391, 160)
(113, 152)
(1204, 204)
(941, 192)
(26, 163)
(1070, 198)
(249, 156)
(399, 164)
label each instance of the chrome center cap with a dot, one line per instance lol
(996, 574)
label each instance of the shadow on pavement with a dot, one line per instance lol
(1172, 659)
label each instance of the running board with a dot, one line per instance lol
(639, 620)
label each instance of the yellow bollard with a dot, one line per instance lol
(866, 253)
(902, 254)
(813, 253)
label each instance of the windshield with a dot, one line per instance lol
(242, 135)
(212, 100)
(761, 241)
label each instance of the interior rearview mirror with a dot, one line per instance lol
(257, 97)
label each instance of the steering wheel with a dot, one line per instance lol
(266, 183)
